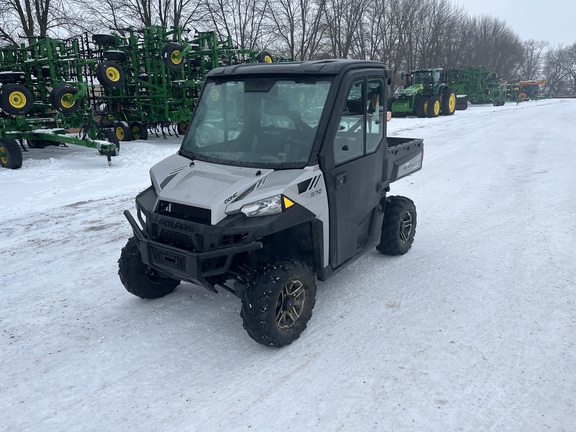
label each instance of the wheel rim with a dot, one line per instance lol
(113, 74)
(17, 99)
(3, 155)
(119, 133)
(174, 57)
(135, 132)
(65, 101)
(425, 106)
(406, 227)
(267, 59)
(290, 304)
(436, 107)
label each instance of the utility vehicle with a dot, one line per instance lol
(281, 180)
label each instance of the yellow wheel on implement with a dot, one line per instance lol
(16, 99)
(110, 74)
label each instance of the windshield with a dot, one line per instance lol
(256, 123)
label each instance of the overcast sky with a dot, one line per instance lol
(543, 20)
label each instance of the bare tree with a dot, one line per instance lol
(344, 19)
(533, 59)
(243, 20)
(495, 45)
(26, 19)
(298, 26)
(560, 70)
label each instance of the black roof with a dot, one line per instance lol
(322, 67)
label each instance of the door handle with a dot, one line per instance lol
(341, 179)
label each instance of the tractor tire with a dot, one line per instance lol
(138, 278)
(10, 154)
(170, 54)
(182, 127)
(123, 131)
(277, 307)
(16, 99)
(115, 55)
(421, 107)
(104, 39)
(60, 98)
(264, 57)
(398, 226)
(12, 77)
(433, 108)
(110, 74)
(448, 102)
(139, 131)
(462, 103)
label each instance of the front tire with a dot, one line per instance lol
(433, 108)
(422, 107)
(138, 278)
(10, 154)
(398, 227)
(278, 306)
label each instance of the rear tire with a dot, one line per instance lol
(277, 307)
(398, 227)
(138, 278)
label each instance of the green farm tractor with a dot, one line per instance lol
(424, 95)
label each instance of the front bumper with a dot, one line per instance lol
(193, 267)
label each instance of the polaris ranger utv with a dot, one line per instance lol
(281, 179)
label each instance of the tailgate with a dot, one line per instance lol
(405, 156)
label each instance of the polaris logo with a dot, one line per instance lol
(175, 225)
(412, 165)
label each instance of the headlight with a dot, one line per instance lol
(265, 207)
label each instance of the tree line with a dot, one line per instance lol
(404, 34)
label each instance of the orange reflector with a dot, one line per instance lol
(287, 202)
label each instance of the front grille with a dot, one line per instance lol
(184, 241)
(186, 212)
(169, 259)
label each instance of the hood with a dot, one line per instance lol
(412, 89)
(216, 187)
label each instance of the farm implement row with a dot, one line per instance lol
(99, 91)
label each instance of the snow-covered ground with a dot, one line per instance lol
(473, 330)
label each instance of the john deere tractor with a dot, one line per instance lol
(424, 95)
